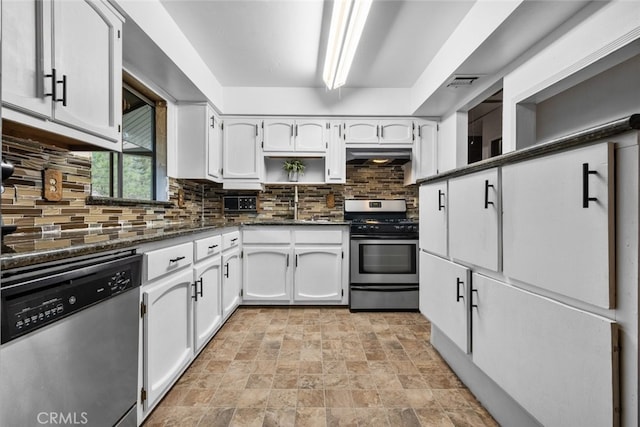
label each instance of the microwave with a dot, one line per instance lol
(233, 204)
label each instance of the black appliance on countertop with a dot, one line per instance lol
(384, 255)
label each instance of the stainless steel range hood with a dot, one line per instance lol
(379, 156)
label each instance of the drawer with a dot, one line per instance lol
(317, 236)
(269, 236)
(208, 247)
(230, 240)
(167, 260)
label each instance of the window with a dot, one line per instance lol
(132, 173)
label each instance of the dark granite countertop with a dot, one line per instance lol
(29, 249)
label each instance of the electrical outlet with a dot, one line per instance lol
(52, 185)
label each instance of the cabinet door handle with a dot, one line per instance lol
(256, 129)
(296, 134)
(176, 259)
(377, 131)
(291, 131)
(486, 194)
(296, 260)
(458, 283)
(381, 131)
(213, 122)
(474, 291)
(226, 272)
(440, 196)
(64, 90)
(287, 260)
(195, 289)
(54, 85)
(201, 287)
(585, 185)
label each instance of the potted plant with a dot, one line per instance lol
(294, 167)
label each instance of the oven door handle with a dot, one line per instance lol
(370, 288)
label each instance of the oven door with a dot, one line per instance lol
(384, 261)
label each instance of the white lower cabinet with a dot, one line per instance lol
(318, 274)
(168, 338)
(266, 273)
(207, 307)
(231, 281)
(558, 362)
(444, 297)
(297, 264)
(433, 218)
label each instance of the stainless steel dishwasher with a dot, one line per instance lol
(69, 347)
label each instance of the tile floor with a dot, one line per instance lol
(320, 367)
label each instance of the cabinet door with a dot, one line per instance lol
(336, 164)
(396, 131)
(362, 131)
(425, 160)
(266, 274)
(241, 149)
(318, 274)
(559, 363)
(88, 54)
(214, 147)
(310, 136)
(433, 218)
(474, 214)
(231, 282)
(168, 340)
(545, 220)
(207, 292)
(278, 135)
(26, 57)
(444, 297)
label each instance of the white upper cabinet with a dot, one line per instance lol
(425, 155)
(242, 152)
(474, 219)
(433, 218)
(374, 132)
(199, 131)
(336, 163)
(559, 223)
(62, 68)
(294, 136)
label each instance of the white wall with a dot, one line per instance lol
(606, 97)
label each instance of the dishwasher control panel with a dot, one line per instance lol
(28, 309)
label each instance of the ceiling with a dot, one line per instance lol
(277, 44)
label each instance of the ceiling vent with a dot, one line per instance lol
(462, 81)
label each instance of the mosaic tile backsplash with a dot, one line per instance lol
(23, 203)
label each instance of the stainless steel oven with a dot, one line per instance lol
(384, 256)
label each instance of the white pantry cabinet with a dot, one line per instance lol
(558, 362)
(444, 297)
(242, 159)
(199, 144)
(433, 218)
(294, 136)
(58, 81)
(168, 338)
(378, 132)
(559, 223)
(474, 219)
(336, 162)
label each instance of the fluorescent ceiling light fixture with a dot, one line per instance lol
(347, 22)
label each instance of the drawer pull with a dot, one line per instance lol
(585, 185)
(177, 259)
(486, 194)
(213, 246)
(458, 283)
(234, 240)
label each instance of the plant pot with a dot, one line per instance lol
(293, 176)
